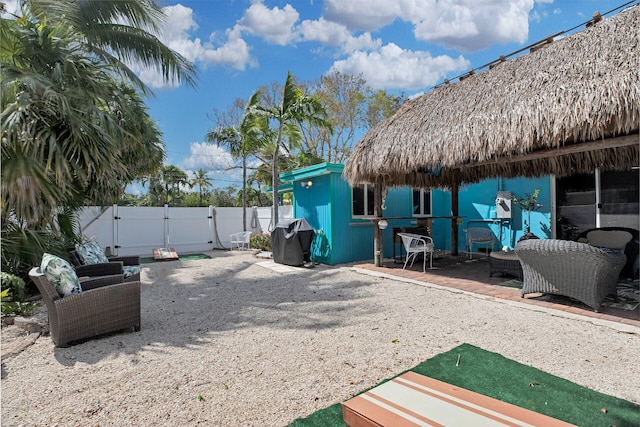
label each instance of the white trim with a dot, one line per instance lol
(366, 215)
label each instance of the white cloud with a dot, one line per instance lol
(232, 51)
(333, 34)
(177, 33)
(368, 15)
(12, 7)
(362, 42)
(466, 25)
(209, 157)
(274, 25)
(393, 67)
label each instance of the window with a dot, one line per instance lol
(421, 202)
(362, 201)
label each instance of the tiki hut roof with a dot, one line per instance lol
(566, 108)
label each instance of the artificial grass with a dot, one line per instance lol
(496, 376)
(186, 257)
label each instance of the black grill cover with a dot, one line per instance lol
(291, 242)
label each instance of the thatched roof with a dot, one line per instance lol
(567, 108)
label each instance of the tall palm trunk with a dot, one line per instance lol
(276, 178)
(244, 193)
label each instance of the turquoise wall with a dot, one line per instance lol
(477, 202)
(327, 206)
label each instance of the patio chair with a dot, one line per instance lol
(623, 238)
(479, 236)
(89, 260)
(241, 239)
(416, 244)
(106, 304)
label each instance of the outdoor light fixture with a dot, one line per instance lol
(382, 224)
(306, 184)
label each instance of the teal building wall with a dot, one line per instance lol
(476, 202)
(326, 205)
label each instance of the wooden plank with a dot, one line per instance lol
(580, 147)
(165, 254)
(415, 400)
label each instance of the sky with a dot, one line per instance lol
(403, 46)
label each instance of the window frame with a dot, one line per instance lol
(366, 188)
(421, 213)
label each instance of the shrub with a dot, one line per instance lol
(13, 295)
(14, 285)
(261, 241)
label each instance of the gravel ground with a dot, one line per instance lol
(230, 342)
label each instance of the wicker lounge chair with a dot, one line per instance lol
(573, 269)
(114, 266)
(107, 304)
(631, 249)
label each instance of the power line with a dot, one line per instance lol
(596, 17)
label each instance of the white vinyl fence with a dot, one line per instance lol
(128, 230)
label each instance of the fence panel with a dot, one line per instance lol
(133, 230)
(138, 230)
(189, 229)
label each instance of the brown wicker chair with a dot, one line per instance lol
(114, 266)
(573, 269)
(107, 304)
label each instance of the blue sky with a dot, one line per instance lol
(398, 45)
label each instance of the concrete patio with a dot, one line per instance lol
(472, 276)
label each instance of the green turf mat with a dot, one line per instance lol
(496, 376)
(186, 257)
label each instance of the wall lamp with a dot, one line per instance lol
(382, 224)
(306, 184)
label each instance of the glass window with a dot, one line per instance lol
(362, 201)
(421, 202)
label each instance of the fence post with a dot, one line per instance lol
(166, 227)
(114, 229)
(211, 225)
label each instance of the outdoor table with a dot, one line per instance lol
(505, 262)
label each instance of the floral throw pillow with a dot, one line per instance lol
(61, 275)
(91, 253)
(130, 270)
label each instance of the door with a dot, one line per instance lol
(599, 199)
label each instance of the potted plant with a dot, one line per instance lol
(528, 204)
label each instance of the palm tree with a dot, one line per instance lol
(243, 141)
(294, 109)
(117, 32)
(72, 128)
(173, 177)
(201, 180)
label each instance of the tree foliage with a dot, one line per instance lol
(74, 130)
(244, 138)
(344, 99)
(74, 127)
(294, 108)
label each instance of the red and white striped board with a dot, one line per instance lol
(415, 400)
(165, 254)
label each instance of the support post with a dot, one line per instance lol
(378, 250)
(454, 218)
